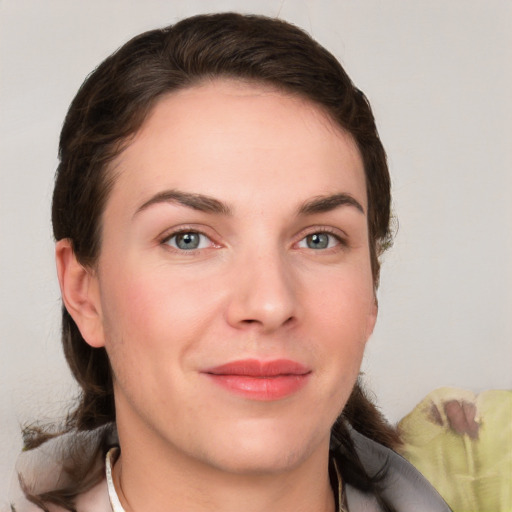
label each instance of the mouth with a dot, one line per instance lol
(260, 380)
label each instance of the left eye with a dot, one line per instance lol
(188, 241)
(319, 241)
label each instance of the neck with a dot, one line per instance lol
(160, 478)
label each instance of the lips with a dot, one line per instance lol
(260, 380)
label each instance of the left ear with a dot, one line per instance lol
(80, 293)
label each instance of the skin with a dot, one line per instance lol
(257, 287)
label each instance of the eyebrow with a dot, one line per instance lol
(203, 203)
(198, 202)
(324, 204)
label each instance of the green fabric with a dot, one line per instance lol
(472, 470)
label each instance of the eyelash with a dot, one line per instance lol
(184, 231)
(341, 240)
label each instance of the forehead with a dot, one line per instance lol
(228, 137)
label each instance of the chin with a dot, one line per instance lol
(273, 449)
(262, 461)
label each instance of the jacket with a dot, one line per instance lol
(41, 469)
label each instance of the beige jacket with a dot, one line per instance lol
(42, 471)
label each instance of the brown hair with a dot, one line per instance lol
(113, 103)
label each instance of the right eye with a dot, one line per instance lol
(320, 240)
(188, 241)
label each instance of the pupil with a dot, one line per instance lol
(187, 241)
(318, 241)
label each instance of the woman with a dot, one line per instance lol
(219, 209)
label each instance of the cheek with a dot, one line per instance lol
(148, 320)
(150, 328)
(345, 315)
(345, 302)
(153, 301)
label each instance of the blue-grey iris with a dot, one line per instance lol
(187, 241)
(318, 241)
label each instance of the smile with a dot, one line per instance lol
(261, 380)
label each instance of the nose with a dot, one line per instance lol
(264, 294)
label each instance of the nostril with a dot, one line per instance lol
(253, 321)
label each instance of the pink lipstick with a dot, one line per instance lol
(261, 380)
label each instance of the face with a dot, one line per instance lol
(235, 294)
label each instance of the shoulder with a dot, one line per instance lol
(71, 461)
(94, 500)
(402, 484)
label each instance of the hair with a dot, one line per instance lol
(110, 108)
